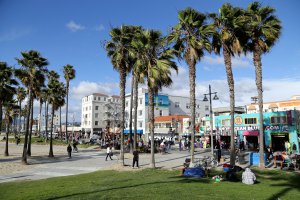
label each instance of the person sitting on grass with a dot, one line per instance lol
(248, 177)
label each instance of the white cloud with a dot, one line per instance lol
(74, 26)
(85, 88)
(237, 62)
(100, 27)
(245, 88)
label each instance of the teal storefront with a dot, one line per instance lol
(278, 128)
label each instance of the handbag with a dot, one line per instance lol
(111, 153)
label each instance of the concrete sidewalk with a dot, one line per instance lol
(85, 161)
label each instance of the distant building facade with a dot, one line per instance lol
(99, 111)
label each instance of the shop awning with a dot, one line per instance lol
(138, 131)
(251, 133)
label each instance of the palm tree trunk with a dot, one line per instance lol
(130, 113)
(51, 131)
(6, 140)
(1, 113)
(258, 75)
(230, 81)
(20, 116)
(30, 132)
(192, 77)
(135, 112)
(151, 124)
(24, 156)
(60, 131)
(67, 106)
(122, 96)
(46, 120)
(40, 119)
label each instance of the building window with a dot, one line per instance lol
(140, 124)
(126, 104)
(104, 98)
(86, 108)
(96, 123)
(177, 104)
(96, 107)
(226, 122)
(140, 112)
(99, 98)
(250, 121)
(141, 101)
(96, 115)
(279, 120)
(206, 108)
(168, 125)
(198, 106)
(95, 98)
(160, 112)
(187, 105)
(86, 115)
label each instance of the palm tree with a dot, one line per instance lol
(118, 51)
(191, 39)
(33, 66)
(155, 61)
(57, 94)
(263, 30)
(9, 114)
(230, 26)
(69, 74)
(7, 89)
(21, 94)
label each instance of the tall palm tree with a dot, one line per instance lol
(264, 30)
(191, 39)
(21, 94)
(69, 74)
(155, 61)
(118, 51)
(57, 94)
(32, 66)
(7, 86)
(230, 27)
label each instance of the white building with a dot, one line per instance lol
(164, 105)
(274, 106)
(98, 112)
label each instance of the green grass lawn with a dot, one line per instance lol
(153, 184)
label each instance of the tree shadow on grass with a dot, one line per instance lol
(291, 182)
(108, 189)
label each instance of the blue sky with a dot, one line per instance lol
(70, 32)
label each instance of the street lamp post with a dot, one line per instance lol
(211, 116)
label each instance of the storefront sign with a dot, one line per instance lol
(277, 128)
(241, 128)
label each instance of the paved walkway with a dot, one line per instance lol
(85, 161)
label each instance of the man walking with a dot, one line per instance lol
(108, 153)
(135, 159)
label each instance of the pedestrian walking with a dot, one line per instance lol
(108, 153)
(135, 159)
(69, 149)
